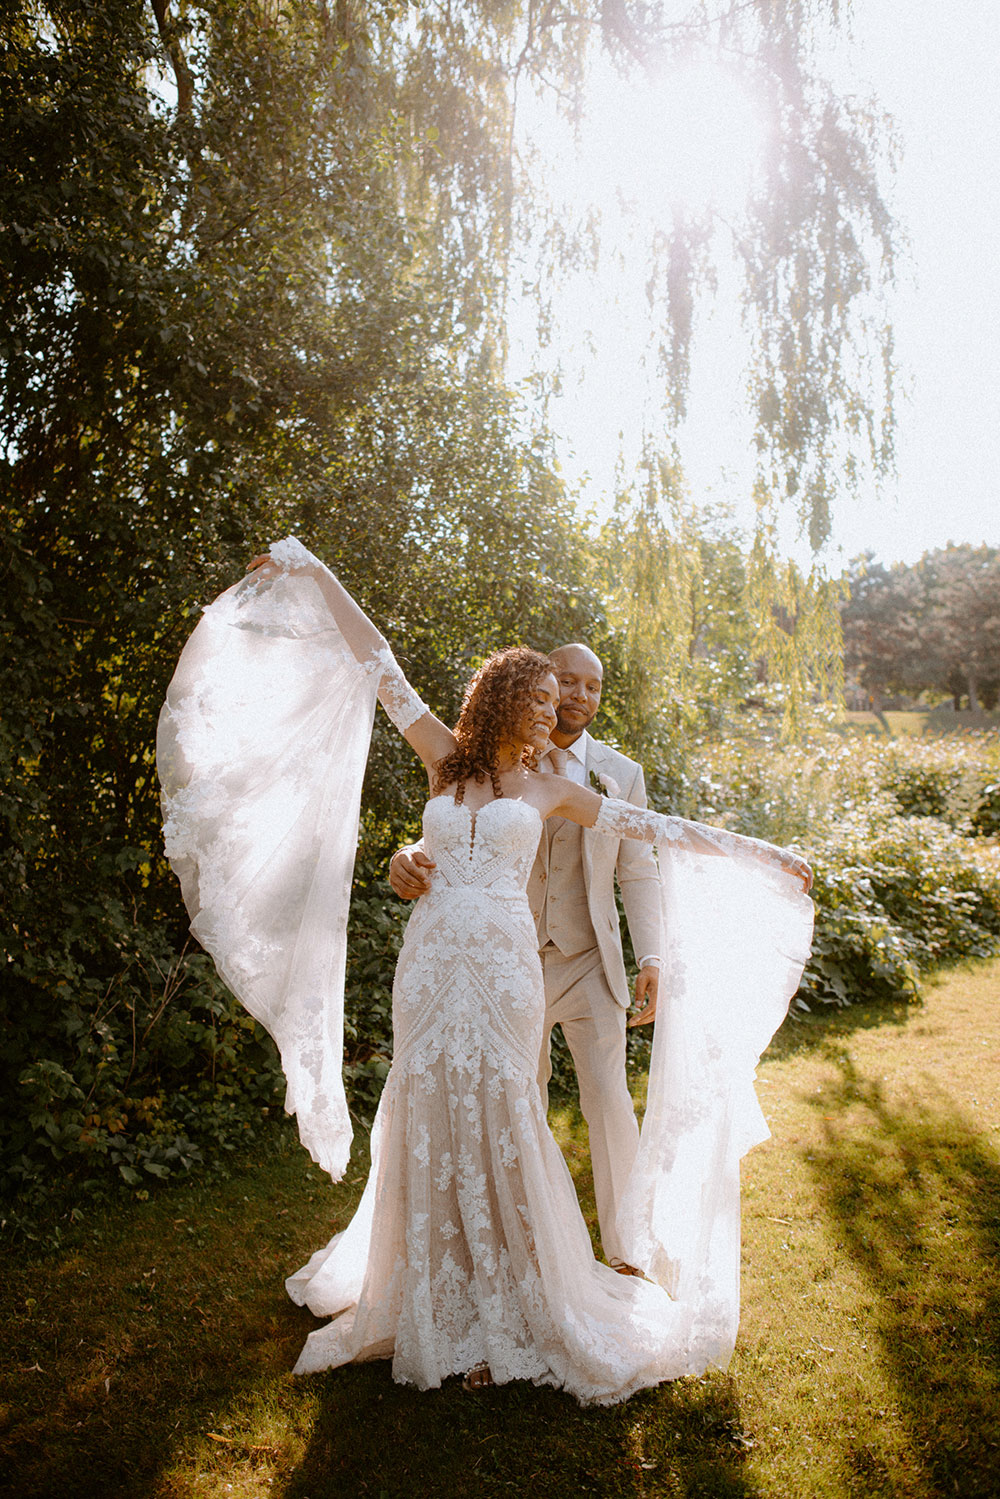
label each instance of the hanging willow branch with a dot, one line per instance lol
(814, 244)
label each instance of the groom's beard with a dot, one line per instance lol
(574, 726)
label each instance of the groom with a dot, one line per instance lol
(572, 898)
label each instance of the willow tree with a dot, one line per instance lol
(257, 262)
(812, 249)
(814, 243)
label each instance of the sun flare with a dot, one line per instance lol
(689, 139)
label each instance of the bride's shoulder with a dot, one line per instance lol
(540, 791)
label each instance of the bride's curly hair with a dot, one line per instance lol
(494, 702)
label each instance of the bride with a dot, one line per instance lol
(468, 1253)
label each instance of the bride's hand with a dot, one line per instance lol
(263, 560)
(799, 868)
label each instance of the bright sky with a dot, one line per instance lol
(935, 69)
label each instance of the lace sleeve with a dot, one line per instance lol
(371, 649)
(621, 819)
(402, 705)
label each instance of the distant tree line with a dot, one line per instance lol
(933, 627)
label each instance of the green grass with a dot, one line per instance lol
(923, 722)
(149, 1356)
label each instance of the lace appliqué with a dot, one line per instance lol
(401, 703)
(620, 819)
(290, 553)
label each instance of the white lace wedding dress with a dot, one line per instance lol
(468, 1246)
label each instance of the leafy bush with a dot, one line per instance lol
(986, 817)
(893, 901)
(953, 779)
(900, 885)
(138, 1078)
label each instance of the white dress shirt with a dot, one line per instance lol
(576, 759)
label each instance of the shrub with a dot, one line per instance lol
(138, 1081)
(894, 900)
(953, 779)
(900, 885)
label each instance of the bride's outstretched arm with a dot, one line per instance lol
(427, 735)
(620, 819)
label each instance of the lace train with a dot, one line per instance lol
(468, 1245)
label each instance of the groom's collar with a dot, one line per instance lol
(581, 748)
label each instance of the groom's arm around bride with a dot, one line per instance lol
(572, 898)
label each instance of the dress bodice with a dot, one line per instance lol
(492, 848)
(469, 983)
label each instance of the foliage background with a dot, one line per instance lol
(930, 628)
(267, 296)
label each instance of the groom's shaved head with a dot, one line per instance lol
(579, 674)
(576, 657)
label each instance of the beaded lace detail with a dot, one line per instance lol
(401, 703)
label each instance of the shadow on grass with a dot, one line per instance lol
(374, 1438)
(825, 1024)
(153, 1322)
(149, 1360)
(800, 1034)
(915, 1194)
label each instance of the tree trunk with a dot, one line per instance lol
(174, 50)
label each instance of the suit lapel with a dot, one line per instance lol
(596, 757)
(595, 762)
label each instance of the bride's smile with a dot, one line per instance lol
(539, 718)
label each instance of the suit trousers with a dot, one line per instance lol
(578, 998)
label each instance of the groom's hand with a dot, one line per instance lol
(647, 986)
(410, 873)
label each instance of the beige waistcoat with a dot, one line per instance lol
(580, 912)
(564, 918)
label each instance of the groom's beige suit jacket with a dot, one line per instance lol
(601, 858)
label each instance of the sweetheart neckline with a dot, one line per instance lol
(474, 813)
(510, 801)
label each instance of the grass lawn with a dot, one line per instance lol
(148, 1357)
(919, 722)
